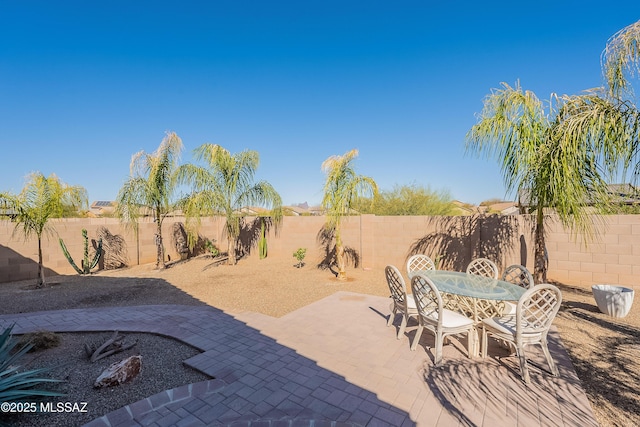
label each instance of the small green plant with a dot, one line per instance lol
(299, 255)
(86, 265)
(15, 383)
(211, 248)
(437, 259)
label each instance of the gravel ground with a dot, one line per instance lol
(605, 351)
(162, 369)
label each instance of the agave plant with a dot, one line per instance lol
(17, 384)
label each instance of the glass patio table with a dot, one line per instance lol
(474, 296)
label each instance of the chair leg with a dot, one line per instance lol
(403, 325)
(485, 338)
(524, 369)
(392, 316)
(416, 338)
(472, 343)
(552, 365)
(439, 339)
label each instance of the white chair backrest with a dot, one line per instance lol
(483, 267)
(518, 275)
(397, 287)
(428, 299)
(537, 308)
(419, 263)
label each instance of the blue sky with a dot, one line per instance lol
(84, 85)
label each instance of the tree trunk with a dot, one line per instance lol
(159, 247)
(231, 250)
(40, 282)
(540, 268)
(342, 274)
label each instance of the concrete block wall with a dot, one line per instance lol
(379, 241)
(613, 258)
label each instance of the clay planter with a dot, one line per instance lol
(613, 300)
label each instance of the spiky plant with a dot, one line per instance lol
(17, 384)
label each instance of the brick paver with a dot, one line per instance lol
(333, 363)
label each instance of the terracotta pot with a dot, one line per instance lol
(613, 300)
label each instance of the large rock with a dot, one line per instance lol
(120, 372)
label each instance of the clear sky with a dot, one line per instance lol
(86, 84)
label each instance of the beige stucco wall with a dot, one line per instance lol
(378, 240)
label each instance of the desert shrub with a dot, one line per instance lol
(407, 200)
(40, 340)
(205, 246)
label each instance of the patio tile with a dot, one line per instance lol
(346, 366)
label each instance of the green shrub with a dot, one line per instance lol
(211, 248)
(299, 255)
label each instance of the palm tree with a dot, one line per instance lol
(151, 185)
(342, 189)
(546, 154)
(41, 199)
(223, 186)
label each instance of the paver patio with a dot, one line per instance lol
(333, 362)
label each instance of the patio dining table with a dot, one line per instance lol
(476, 297)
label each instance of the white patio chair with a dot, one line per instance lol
(483, 267)
(419, 262)
(440, 321)
(530, 324)
(518, 275)
(402, 303)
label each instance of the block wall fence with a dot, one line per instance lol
(378, 241)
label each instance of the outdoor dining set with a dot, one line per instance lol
(510, 307)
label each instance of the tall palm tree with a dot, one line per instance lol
(41, 199)
(223, 186)
(544, 155)
(151, 186)
(342, 189)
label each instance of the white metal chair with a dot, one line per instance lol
(530, 324)
(419, 262)
(518, 275)
(440, 321)
(402, 303)
(483, 267)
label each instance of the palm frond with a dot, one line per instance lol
(224, 184)
(620, 57)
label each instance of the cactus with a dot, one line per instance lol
(262, 243)
(86, 265)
